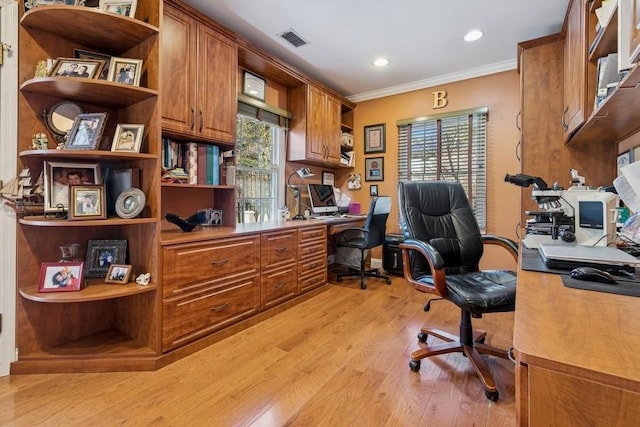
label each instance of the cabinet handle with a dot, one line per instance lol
(565, 126)
(280, 250)
(219, 308)
(518, 116)
(280, 285)
(518, 151)
(193, 118)
(220, 262)
(201, 120)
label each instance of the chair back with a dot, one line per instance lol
(438, 213)
(376, 221)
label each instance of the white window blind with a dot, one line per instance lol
(447, 147)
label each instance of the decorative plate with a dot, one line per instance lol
(130, 203)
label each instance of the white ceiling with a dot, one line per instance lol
(421, 38)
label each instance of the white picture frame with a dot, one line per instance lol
(120, 7)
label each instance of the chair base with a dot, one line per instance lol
(453, 344)
(374, 272)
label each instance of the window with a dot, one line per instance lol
(447, 147)
(259, 151)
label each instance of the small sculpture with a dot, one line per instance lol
(143, 279)
(39, 141)
(189, 223)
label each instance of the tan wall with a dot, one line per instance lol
(500, 93)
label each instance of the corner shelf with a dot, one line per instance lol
(41, 221)
(93, 291)
(100, 155)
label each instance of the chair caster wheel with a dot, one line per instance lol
(388, 281)
(491, 395)
(339, 279)
(422, 337)
(363, 286)
(414, 365)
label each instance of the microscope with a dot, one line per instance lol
(578, 215)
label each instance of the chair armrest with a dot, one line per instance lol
(352, 233)
(436, 263)
(508, 244)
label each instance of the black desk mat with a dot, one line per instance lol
(531, 261)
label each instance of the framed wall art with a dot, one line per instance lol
(253, 85)
(60, 276)
(87, 202)
(86, 132)
(374, 139)
(59, 176)
(374, 169)
(101, 254)
(373, 190)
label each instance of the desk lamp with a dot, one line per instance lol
(302, 173)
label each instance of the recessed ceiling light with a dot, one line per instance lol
(381, 62)
(473, 35)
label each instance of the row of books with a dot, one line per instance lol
(347, 158)
(202, 163)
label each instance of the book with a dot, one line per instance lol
(191, 162)
(209, 162)
(202, 164)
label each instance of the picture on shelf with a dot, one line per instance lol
(120, 7)
(59, 176)
(73, 67)
(125, 71)
(60, 276)
(102, 253)
(86, 132)
(87, 54)
(216, 217)
(118, 273)
(127, 138)
(87, 202)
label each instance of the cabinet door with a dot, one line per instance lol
(218, 62)
(178, 56)
(333, 108)
(575, 69)
(316, 124)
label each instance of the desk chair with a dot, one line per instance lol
(367, 237)
(440, 253)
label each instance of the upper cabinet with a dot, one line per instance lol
(575, 69)
(316, 126)
(199, 72)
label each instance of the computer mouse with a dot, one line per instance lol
(593, 275)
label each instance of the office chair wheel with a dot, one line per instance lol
(414, 365)
(339, 279)
(388, 281)
(491, 395)
(422, 337)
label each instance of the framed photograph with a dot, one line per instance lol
(30, 4)
(58, 176)
(86, 132)
(126, 71)
(374, 139)
(130, 203)
(87, 202)
(60, 276)
(354, 182)
(634, 34)
(101, 254)
(87, 54)
(75, 67)
(216, 217)
(328, 178)
(374, 169)
(373, 190)
(623, 160)
(120, 7)
(118, 273)
(253, 85)
(127, 138)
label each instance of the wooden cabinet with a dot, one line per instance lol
(279, 257)
(312, 257)
(103, 326)
(314, 134)
(199, 72)
(575, 108)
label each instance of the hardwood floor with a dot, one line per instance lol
(338, 359)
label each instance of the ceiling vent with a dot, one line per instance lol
(292, 37)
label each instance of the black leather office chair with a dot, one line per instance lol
(441, 252)
(367, 237)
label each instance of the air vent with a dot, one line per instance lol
(292, 37)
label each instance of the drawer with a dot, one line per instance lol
(199, 314)
(312, 249)
(278, 248)
(188, 266)
(278, 285)
(308, 265)
(313, 280)
(308, 234)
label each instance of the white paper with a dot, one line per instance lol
(628, 186)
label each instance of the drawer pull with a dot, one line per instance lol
(279, 250)
(219, 308)
(280, 285)
(222, 261)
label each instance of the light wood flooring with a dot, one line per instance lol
(338, 359)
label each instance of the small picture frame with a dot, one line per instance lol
(74, 67)
(373, 190)
(30, 4)
(328, 178)
(87, 202)
(253, 86)
(87, 54)
(60, 276)
(216, 217)
(127, 138)
(59, 176)
(126, 71)
(101, 254)
(86, 132)
(130, 203)
(120, 7)
(374, 139)
(374, 169)
(118, 273)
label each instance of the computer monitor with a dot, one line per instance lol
(322, 199)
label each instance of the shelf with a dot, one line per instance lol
(94, 291)
(83, 26)
(101, 155)
(93, 91)
(606, 41)
(41, 221)
(209, 187)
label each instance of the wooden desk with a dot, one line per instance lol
(578, 355)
